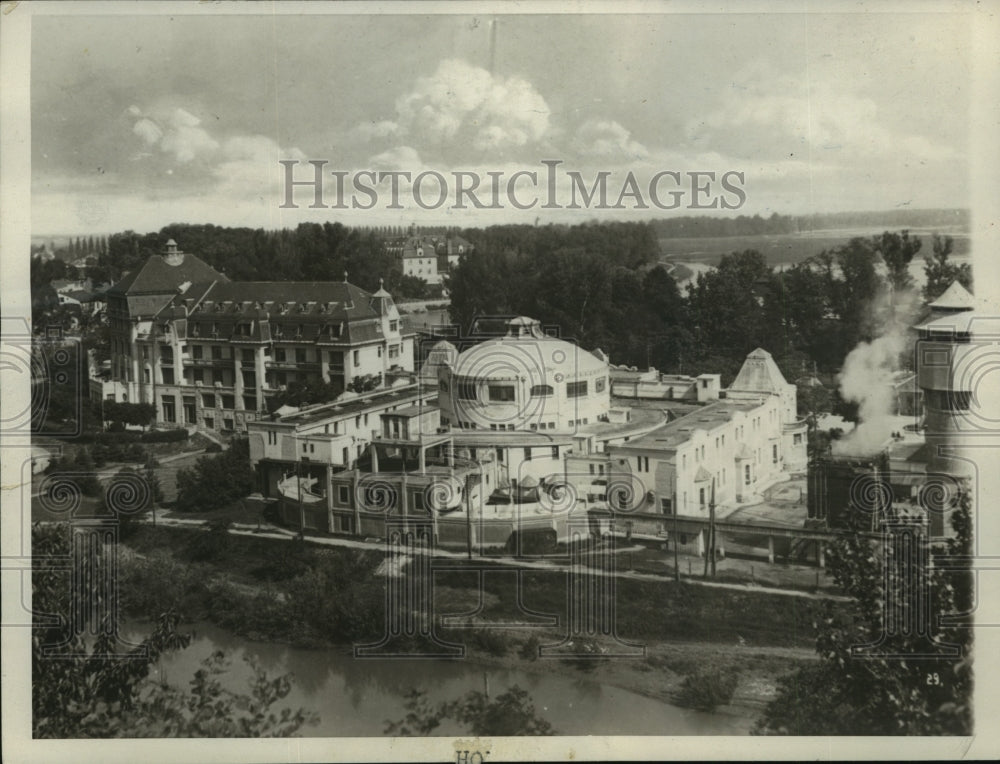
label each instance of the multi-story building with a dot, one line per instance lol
(428, 256)
(210, 352)
(530, 418)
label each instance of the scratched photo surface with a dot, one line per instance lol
(485, 375)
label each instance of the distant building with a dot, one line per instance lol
(209, 352)
(428, 256)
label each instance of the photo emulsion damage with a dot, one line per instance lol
(470, 376)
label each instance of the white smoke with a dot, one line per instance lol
(868, 375)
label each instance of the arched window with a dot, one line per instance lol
(541, 390)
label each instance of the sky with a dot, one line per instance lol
(138, 122)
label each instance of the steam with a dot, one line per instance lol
(867, 376)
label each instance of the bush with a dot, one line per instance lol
(706, 690)
(215, 481)
(213, 448)
(529, 650)
(164, 436)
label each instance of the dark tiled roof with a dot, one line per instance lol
(333, 312)
(156, 276)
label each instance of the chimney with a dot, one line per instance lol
(174, 256)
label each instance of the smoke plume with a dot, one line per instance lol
(867, 376)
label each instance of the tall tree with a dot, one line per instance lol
(941, 271)
(897, 251)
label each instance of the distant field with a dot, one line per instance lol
(784, 249)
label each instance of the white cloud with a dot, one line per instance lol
(148, 130)
(461, 106)
(607, 139)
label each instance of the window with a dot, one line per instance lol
(576, 389)
(196, 352)
(667, 507)
(797, 439)
(774, 454)
(208, 400)
(169, 408)
(443, 386)
(209, 423)
(249, 379)
(600, 385)
(248, 355)
(394, 351)
(146, 376)
(555, 452)
(228, 402)
(279, 355)
(357, 358)
(300, 355)
(591, 468)
(501, 393)
(527, 454)
(394, 326)
(343, 495)
(746, 474)
(168, 376)
(272, 438)
(189, 409)
(539, 391)
(417, 499)
(701, 496)
(250, 402)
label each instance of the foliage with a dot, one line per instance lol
(707, 690)
(511, 713)
(215, 481)
(104, 690)
(906, 684)
(941, 272)
(137, 414)
(304, 392)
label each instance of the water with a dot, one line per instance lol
(355, 697)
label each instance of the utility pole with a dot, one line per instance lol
(673, 506)
(302, 511)
(711, 526)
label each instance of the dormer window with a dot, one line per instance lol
(394, 326)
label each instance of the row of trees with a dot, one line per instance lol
(775, 224)
(812, 313)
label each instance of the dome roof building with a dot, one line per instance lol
(525, 380)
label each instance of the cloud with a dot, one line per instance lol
(766, 114)
(462, 107)
(607, 139)
(148, 130)
(176, 132)
(367, 131)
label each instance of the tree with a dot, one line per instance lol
(941, 272)
(928, 694)
(105, 690)
(897, 251)
(511, 713)
(215, 481)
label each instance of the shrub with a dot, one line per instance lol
(706, 690)
(529, 649)
(164, 436)
(215, 481)
(213, 448)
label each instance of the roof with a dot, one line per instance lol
(679, 431)
(332, 312)
(955, 297)
(760, 374)
(157, 276)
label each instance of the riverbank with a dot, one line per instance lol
(294, 594)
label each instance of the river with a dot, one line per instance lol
(355, 697)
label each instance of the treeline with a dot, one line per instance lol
(813, 313)
(309, 252)
(755, 225)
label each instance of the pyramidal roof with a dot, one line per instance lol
(759, 374)
(955, 297)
